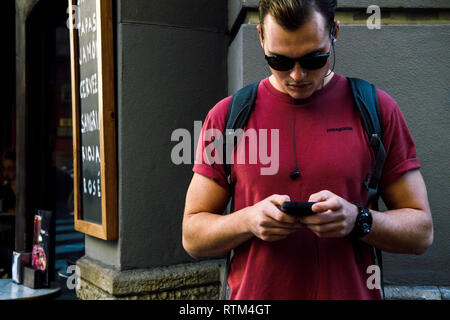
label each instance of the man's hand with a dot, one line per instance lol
(208, 233)
(335, 216)
(266, 221)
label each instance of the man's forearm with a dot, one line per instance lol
(210, 235)
(401, 231)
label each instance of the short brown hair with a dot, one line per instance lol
(292, 14)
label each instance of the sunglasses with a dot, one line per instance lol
(308, 62)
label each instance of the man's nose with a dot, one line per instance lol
(297, 73)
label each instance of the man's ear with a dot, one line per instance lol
(336, 31)
(261, 35)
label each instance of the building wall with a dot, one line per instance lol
(408, 57)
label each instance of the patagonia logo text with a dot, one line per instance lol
(339, 129)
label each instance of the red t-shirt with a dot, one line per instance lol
(333, 153)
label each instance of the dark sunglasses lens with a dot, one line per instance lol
(313, 62)
(286, 64)
(280, 63)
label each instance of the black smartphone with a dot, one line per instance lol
(297, 208)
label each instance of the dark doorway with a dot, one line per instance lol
(49, 172)
(7, 138)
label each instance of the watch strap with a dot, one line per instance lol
(363, 223)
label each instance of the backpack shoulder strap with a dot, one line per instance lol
(366, 100)
(241, 105)
(365, 96)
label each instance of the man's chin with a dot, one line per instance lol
(300, 92)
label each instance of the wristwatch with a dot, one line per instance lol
(363, 222)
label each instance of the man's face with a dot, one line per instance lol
(312, 38)
(9, 170)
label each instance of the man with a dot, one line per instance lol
(277, 256)
(7, 204)
(8, 183)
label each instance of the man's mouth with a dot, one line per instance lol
(299, 86)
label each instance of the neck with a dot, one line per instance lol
(327, 78)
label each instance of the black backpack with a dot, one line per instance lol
(365, 97)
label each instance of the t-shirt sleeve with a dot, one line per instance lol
(208, 162)
(400, 148)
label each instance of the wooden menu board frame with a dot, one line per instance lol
(105, 90)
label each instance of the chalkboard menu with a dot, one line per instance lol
(93, 105)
